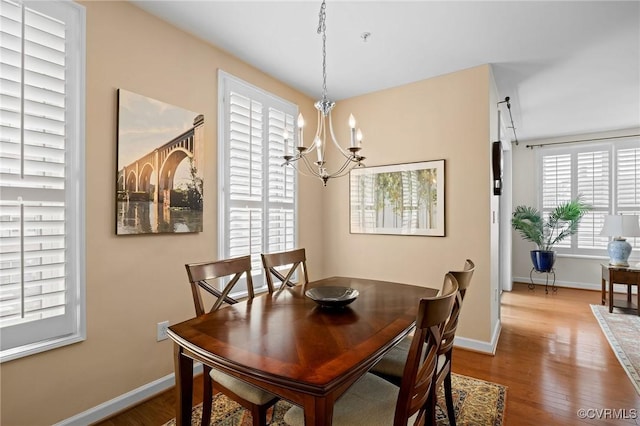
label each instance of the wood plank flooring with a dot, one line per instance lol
(551, 354)
(555, 360)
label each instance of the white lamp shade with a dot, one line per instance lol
(621, 226)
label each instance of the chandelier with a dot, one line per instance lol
(324, 132)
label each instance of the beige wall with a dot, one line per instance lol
(134, 282)
(441, 118)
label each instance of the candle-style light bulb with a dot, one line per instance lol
(359, 137)
(352, 125)
(300, 131)
(318, 144)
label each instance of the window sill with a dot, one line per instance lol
(35, 348)
(632, 259)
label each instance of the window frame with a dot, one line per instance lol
(74, 17)
(574, 150)
(226, 83)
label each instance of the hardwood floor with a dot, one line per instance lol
(551, 354)
(555, 360)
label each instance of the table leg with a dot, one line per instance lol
(318, 411)
(610, 293)
(629, 293)
(184, 386)
(603, 292)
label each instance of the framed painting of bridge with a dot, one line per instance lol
(399, 199)
(159, 172)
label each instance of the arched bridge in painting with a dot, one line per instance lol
(164, 160)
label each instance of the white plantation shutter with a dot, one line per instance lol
(593, 180)
(280, 181)
(41, 175)
(628, 183)
(556, 180)
(246, 176)
(605, 175)
(257, 194)
(556, 184)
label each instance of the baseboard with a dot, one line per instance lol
(125, 401)
(570, 284)
(479, 345)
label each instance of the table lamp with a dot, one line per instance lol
(620, 226)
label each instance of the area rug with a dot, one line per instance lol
(477, 403)
(622, 331)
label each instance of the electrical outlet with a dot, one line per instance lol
(161, 331)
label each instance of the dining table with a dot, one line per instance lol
(286, 343)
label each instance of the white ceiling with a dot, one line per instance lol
(569, 67)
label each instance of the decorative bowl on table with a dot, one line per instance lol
(332, 297)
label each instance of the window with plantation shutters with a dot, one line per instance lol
(41, 176)
(256, 193)
(607, 177)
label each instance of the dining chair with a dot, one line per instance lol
(254, 399)
(374, 401)
(297, 258)
(391, 366)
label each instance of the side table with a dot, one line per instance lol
(627, 275)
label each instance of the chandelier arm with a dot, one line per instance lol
(310, 167)
(344, 167)
(345, 172)
(290, 160)
(340, 170)
(299, 170)
(313, 146)
(335, 141)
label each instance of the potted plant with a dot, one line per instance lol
(561, 223)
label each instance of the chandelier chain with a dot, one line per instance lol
(322, 29)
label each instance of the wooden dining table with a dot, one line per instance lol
(285, 343)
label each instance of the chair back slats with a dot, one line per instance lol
(211, 289)
(464, 279)
(296, 258)
(416, 394)
(201, 273)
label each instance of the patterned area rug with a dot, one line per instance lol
(477, 403)
(622, 331)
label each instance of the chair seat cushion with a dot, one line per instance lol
(392, 363)
(242, 389)
(370, 401)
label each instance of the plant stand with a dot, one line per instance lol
(546, 284)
